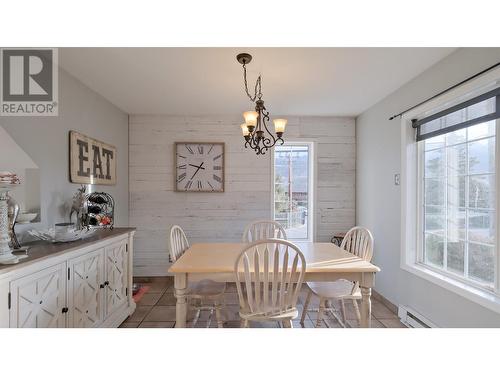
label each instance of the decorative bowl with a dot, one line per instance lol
(26, 217)
(69, 236)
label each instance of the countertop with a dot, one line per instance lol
(40, 250)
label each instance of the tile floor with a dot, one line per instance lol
(156, 309)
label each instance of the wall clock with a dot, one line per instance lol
(199, 166)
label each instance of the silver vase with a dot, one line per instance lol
(12, 212)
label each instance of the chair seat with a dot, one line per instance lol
(206, 289)
(289, 314)
(340, 289)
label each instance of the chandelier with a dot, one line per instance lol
(255, 129)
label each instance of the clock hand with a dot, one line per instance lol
(200, 167)
(196, 166)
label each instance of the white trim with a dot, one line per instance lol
(480, 296)
(311, 216)
(411, 194)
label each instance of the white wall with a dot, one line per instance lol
(154, 206)
(378, 199)
(45, 140)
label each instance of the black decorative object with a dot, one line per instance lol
(99, 210)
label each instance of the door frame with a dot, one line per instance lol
(311, 214)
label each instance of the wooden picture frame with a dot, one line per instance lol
(91, 161)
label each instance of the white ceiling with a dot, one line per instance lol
(296, 81)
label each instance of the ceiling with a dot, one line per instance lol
(207, 81)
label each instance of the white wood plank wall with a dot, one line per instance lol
(221, 217)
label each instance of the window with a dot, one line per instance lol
(292, 189)
(458, 210)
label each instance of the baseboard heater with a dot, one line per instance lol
(413, 319)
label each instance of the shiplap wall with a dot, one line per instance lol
(221, 217)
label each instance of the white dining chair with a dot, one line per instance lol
(358, 241)
(269, 274)
(262, 229)
(208, 293)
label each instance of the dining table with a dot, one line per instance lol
(325, 261)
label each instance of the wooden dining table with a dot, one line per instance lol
(324, 262)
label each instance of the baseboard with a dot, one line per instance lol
(384, 301)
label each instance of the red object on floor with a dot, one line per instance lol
(140, 293)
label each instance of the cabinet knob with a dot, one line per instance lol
(65, 310)
(106, 283)
(101, 286)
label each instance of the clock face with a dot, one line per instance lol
(199, 166)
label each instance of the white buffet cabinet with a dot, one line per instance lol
(81, 284)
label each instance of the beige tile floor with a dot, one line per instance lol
(156, 309)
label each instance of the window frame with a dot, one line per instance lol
(311, 219)
(411, 199)
(421, 218)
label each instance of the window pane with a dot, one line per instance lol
(458, 136)
(434, 163)
(435, 220)
(455, 256)
(482, 226)
(482, 191)
(482, 156)
(486, 129)
(456, 191)
(434, 246)
(434, 191)
(456, 224)
(481, 262)
(457, 160)
(434, 142)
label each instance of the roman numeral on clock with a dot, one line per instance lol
(189, 149)
(200, 185)
(200, 149)
(181, 177)
(217, 168)
(188, 185)
(217, 157)
(217, 178)
(183, 166)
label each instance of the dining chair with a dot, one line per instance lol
(208, 293)
(262, 229)
(358, 241)
(269, 274)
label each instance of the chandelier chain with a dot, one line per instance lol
(258, 85)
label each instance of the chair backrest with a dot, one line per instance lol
(178, 242)
(263, 229)
(359, 241)
(269, 274)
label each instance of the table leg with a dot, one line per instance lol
(366, 307)
(180, 284)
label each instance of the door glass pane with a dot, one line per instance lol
(291, 190)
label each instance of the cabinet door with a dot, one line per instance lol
(37, 300)
(116, 276)
(85, 297)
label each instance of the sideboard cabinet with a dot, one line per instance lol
(84, 284)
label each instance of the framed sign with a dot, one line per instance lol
(91, 161)
(199, 166)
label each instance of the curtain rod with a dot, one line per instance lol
(445, 91)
